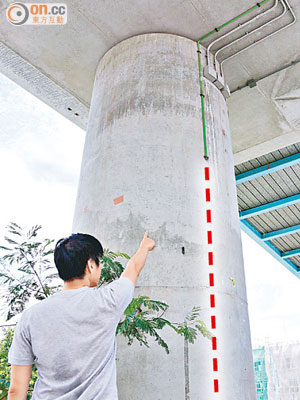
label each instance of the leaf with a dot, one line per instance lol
(11, 241)
(124, 255)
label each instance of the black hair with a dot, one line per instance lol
(72, 253)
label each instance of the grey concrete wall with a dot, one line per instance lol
(144, 142)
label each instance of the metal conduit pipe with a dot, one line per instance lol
(254, 81)
(234, 19)
(200, 65)
(284, 10)
(266, 37)
(239, 27)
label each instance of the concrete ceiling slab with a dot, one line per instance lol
(58, 64)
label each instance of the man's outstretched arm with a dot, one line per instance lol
(137, 261)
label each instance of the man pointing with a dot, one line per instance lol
(70, 336)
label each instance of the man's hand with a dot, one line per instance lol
(137, 262)
(147, 242)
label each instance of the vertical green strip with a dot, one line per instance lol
(202, 100)
(200, 66)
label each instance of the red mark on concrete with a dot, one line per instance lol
(214, 343)
(213, 322)
(210, 258)
(206, 173)
(216, 385)
(212, 301)
(215, 364)
(118, 200)
(209, 237)
(211, 280)
(223, 131)
(207, 194)
(208, 216)
(85, 209)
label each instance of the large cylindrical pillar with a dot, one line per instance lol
(143, 169)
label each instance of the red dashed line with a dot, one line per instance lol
(214, 343)
(208, 216)
(213, 322)
(209, 237)
(207, 194)
(216, 385)
(211, 277)
(215, 364)
(206, 173)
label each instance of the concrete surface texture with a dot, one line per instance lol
(58, 63)
(143, 169)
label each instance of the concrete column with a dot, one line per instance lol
(143, 169)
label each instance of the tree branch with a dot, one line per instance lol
(37, 275)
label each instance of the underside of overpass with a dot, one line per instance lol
(268, 197)
(154, 84)
(58, 65)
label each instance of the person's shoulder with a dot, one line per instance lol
(35, 310)
(119, 284)
(24, 316)
(126, 283)
(122, 281)
(31, 309)
(37, 306)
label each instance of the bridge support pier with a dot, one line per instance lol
(143, 168)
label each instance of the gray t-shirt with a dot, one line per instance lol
(70, 336)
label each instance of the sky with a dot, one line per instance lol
(40, 158)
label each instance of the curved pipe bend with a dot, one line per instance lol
(241, 26)
(286, 3)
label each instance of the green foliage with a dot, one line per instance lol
(5, 369)
(139, 322)
(111, 269)
(140, 317)
(26, 270)
(192, 325)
